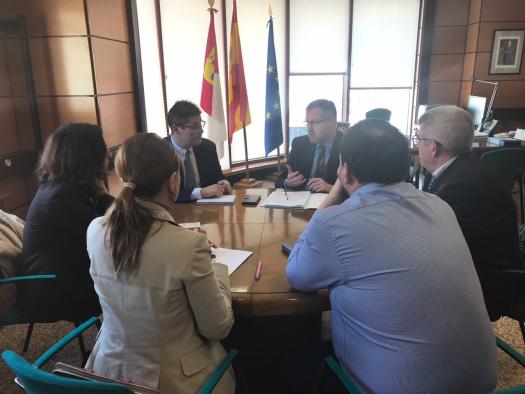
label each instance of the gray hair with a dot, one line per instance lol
(451, 126)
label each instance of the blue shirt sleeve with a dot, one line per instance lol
(313, 263)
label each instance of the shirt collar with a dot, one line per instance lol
(181, 151)
(328, 145)
(442, 169)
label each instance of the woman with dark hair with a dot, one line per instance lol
(166, 304)
(71, 172)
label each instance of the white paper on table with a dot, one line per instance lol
(190, 225)
(315, 200)
(233, 258)
(228, 199)
(278, 199)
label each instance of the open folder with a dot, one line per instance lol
(303, 199)
(227, 199)
(233, 258)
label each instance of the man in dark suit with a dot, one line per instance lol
(484, 208)
(201, 174)
(314, 158)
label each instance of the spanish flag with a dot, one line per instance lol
(238, 108)
(211, 95)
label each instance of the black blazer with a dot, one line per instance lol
(301, 159)
(487, 216)
(55, 243)
(208, 165)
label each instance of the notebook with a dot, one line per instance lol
(292, 199)
(233, 258)
(229, 199)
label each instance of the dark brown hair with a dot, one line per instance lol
(74, 153)
(145, 162)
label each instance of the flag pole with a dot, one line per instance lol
(247, 182)
(245, 150)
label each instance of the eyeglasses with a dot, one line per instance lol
(314, 122)
(416, 139)
(195, 126)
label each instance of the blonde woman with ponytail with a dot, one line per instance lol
(165, 304)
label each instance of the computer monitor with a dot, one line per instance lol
(476, 107)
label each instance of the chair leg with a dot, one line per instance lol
(321, 379)
(28, 337)
(522, 328)
(82, 347)
(98, 324)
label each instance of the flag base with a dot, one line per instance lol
(248, 183)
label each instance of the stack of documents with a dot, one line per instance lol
(229, 199)
(233, 258)
(303, 200)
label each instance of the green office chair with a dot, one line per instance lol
(331, 364)
(507, 164)
(379, 113)
(13, 315)
(36, 381)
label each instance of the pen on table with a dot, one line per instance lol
(285, 193)
(258, 270)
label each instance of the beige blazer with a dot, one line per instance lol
(162, 327)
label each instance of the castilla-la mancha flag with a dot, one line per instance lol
(238, 108)
(211, 96)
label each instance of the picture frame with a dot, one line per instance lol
(507, 52)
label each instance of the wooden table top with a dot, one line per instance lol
(261, 230)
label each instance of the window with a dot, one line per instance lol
(384, 39)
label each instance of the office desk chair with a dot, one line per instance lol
(36, 381)
(379, 113)
(330, 364)
(507, 164)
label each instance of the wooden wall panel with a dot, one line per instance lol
(451, 12)
(466, 88)
(446, 67)
(444, 92)
(55, 111)
(472, 38)
(16, 189)
(117, 117)
(61, 66)
(108, 19)
(53, 17)
(5, 87)
(486, 32)
(474, 15)
(503, 10)
(483, 65)
(510, 93)
(24, 123)
(449, 39)
(469, 66)
(112, 66)
(10, 141)
(15, 67)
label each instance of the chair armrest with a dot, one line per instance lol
(219, 371)
(30, 277)
(512, 390)
(64, 341)
(510, 351)
(343, 377)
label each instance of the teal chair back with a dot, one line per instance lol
(379, 113)
(36, 381)
(505, 163)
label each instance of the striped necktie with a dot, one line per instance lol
(320, 171)
(188, 170)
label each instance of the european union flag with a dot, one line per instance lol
(273, 126)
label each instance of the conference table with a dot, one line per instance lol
(262, 231)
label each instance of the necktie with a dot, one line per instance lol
(188, 170)
(429, 182)
(320, 171)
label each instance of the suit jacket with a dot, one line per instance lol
(487, 216)
(208, 165)
(301, 159)
(55, 243)
(162, 326)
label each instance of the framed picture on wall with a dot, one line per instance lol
(507, 52)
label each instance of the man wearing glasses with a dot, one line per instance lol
(484, 208)
(314, 158)
(201, 176)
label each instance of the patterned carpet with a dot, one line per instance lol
(510, 373)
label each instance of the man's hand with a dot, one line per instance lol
(295, 178)
(227, 186)
(318, 185)
(216, 190)
(336, 196)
